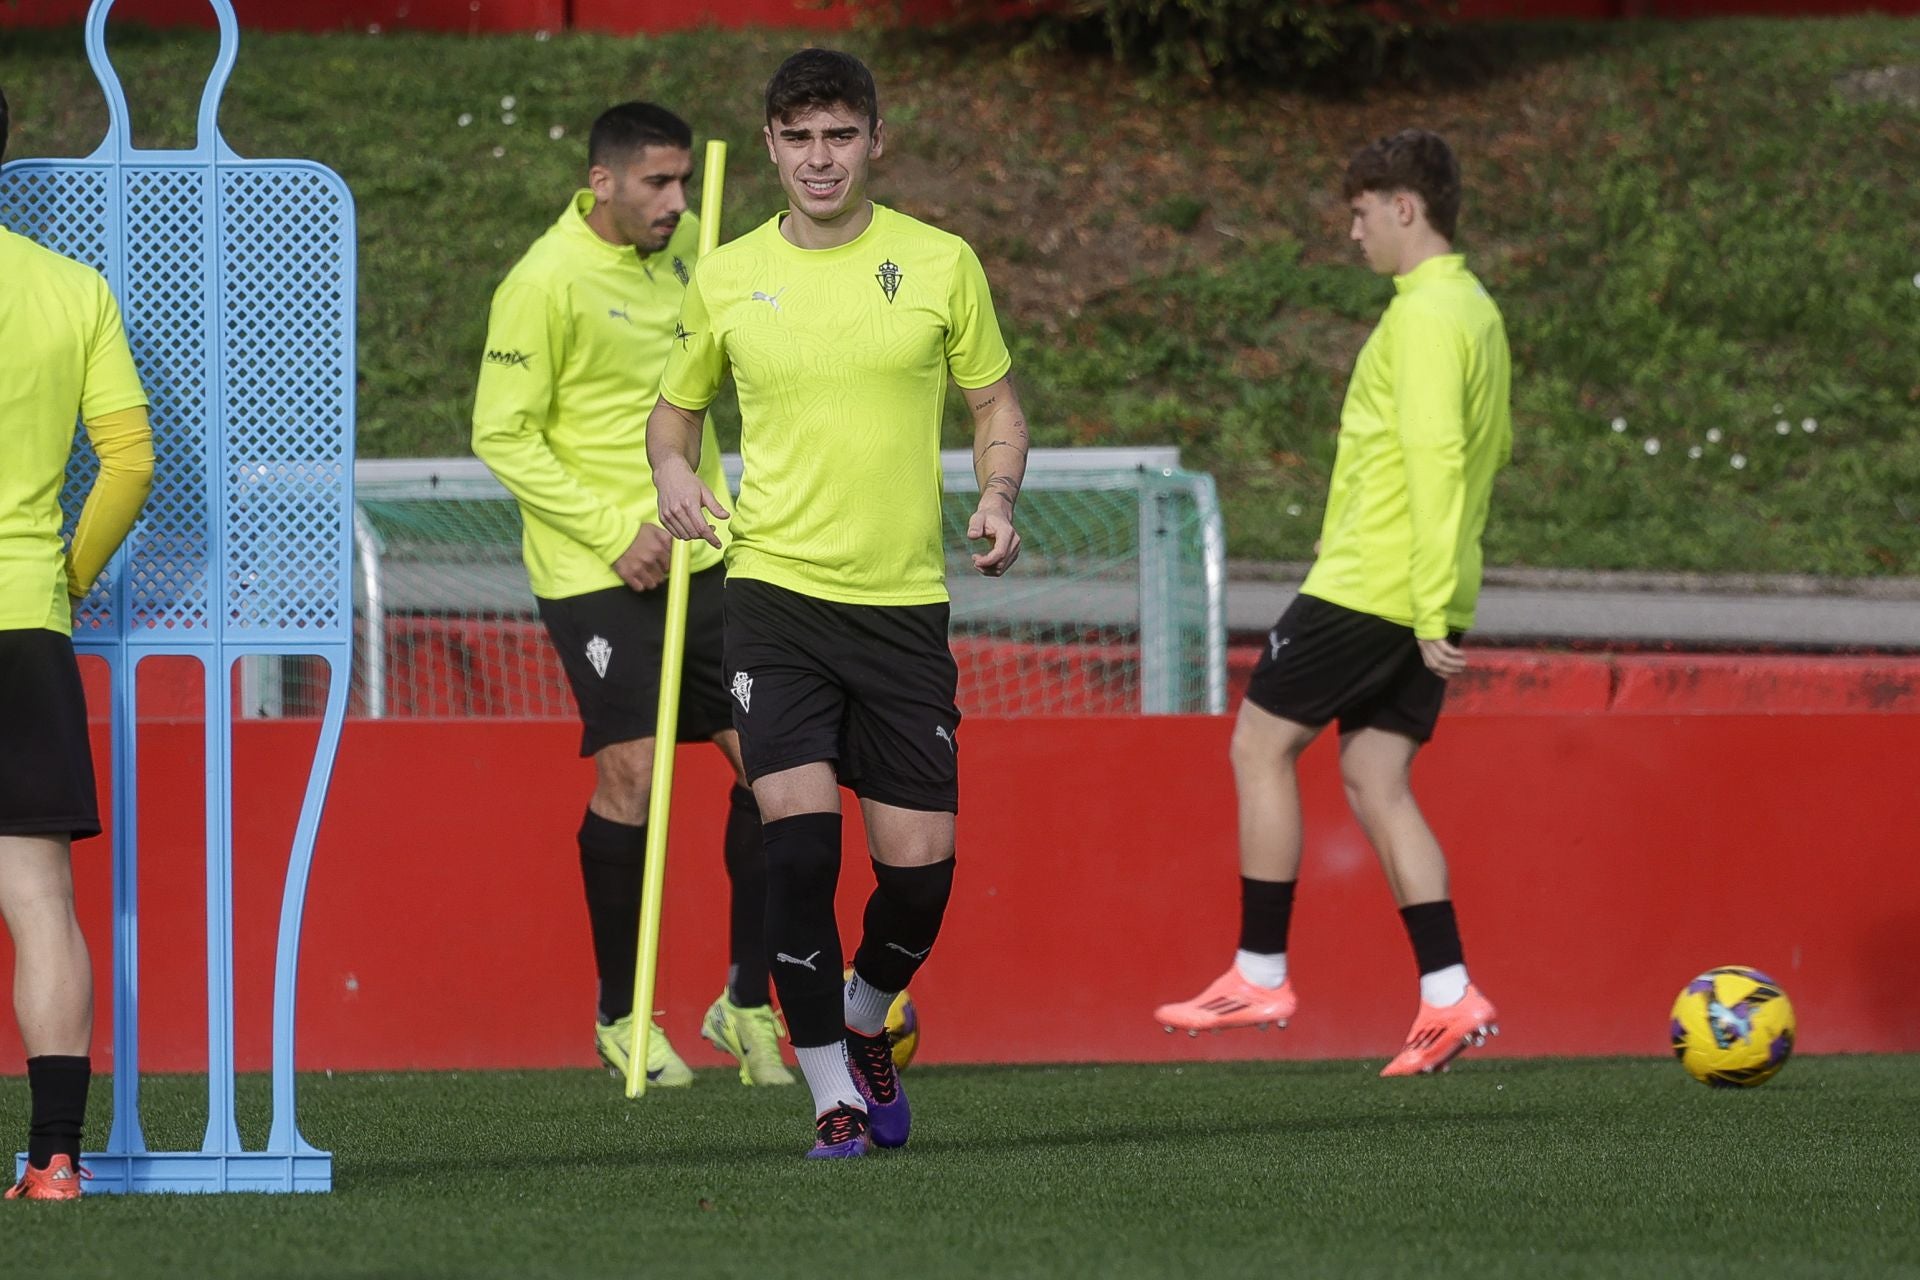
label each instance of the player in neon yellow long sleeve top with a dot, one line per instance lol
(63, 356)
(1374, 635)
(1424, 430)
(576, 339)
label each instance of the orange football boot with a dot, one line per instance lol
(1230, 1002)
(60, 1180)
(1440, 1034)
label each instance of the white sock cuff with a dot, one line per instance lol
(827, 1073)
(1445, 986)
(1262, 970)
(866, 1006)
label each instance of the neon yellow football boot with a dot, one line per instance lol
(665, 1070)
(751, 1035)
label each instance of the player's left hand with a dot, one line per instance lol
(1444, 658)
(996, 525)
(644, 564)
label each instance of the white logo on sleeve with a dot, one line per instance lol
(940, 731)
(784, 958)
(599, 653)
(743, 690)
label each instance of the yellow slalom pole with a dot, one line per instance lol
(666, 731)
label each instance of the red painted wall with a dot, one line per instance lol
(1599, 861)
(442, 667)
(307, 15)
(1509, 681)
(630, 16)
(625, 17)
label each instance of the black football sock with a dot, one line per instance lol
(747, 982)
(803, 937)
(902, 921)
(1436, 950)
(1266, 914)
(1434, 934)
(59, 1086)
(612, 863)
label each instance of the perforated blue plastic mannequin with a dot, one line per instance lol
(236, 278)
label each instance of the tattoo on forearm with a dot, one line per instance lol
(1011, 436)
(1016, 438)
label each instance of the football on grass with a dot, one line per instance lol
(1732, 1027)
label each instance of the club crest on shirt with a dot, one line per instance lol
(680, 271)
(889, 277)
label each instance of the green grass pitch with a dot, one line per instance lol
(1502, 1168)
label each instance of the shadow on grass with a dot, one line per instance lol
(785, 1148)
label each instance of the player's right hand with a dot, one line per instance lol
(994, 523)
(1443, 658)
(685, 502)
(643, 565)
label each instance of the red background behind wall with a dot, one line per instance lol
(1599, 861)
(630, 16)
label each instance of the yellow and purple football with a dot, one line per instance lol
(1732, 1027)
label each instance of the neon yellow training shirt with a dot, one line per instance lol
(577, 337)
(841, 357)
(63, 354)
(1425, 428)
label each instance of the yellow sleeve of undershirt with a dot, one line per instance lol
(124, 442)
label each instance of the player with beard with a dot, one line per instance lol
(576, 340)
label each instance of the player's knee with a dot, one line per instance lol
(620, 803)
(1256, 751)
(624, 777)
(922, 888)
(803, 855)
(1243, 751)
(1372, 789)
(1357, 796)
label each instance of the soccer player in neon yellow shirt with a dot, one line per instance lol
(578, 335)
(842, 322)
(63, 355)
(1375, 633)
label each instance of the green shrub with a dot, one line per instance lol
(1182, 213)
(1259, 41)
